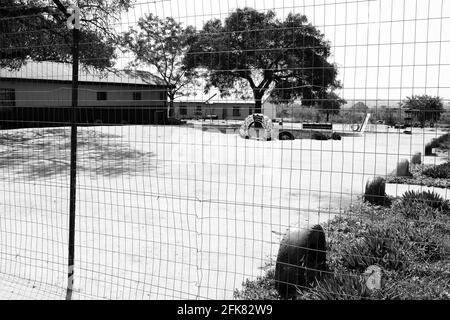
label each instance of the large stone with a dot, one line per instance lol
(301, 258)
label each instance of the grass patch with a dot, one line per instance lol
(442, 142)
(263, 288)
(419, 178)
(412, 249)
(441, 171)
(431, 199)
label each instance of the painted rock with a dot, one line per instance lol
(301, 257)
(373, 275)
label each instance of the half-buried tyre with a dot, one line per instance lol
(285, 136)
(300, 260)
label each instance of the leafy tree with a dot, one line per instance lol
(331, 104)
(255, 49)
(424, 108)
(161, 43)
(392, 116)
(360, 107)
(36, 30)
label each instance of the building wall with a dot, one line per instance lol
(194, 110)
(47, 94)
(270, 110)
(38, 102)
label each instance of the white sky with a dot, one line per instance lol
(385, 49)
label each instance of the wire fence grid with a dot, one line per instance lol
(224, 149)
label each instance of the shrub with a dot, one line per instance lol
(429, 198)
(375, 192)
(417, 158)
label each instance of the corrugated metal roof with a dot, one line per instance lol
(54, 71)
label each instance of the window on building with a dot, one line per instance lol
(7, 97)
(183, 110)
(236, 111)
(162, 96)
(198, 110)
(137, 95)
(102, 95)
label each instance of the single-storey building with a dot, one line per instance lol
(40, 93)
(214, 110)
(219, 108)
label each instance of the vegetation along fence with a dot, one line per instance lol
(188, 149)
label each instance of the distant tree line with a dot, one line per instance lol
(421, 109)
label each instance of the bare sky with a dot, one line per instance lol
(385, 49)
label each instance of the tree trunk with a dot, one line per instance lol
(258, 102)
(328, 116)
(170, 106)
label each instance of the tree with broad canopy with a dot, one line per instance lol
(331, 105)
(36, 30)
(161, 43)
(424, 107)
(252, 49)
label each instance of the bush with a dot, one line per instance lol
(440, 171)
(375, 192)
(431, 199)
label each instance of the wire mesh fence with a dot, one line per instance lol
(224, 149)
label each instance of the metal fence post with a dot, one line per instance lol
(73, 147)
